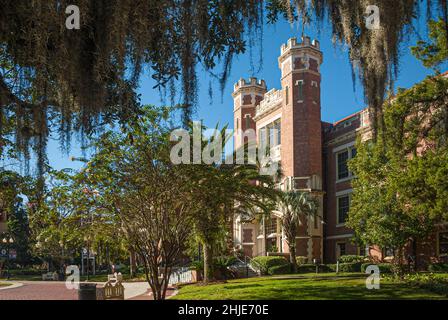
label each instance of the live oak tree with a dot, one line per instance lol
(55, 80)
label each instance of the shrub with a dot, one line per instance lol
(384, 267)
(350, 267)
(301, 260)
(197, 265)
(263, 264)
(283, 269)
(429, 282)
(329, 268)
(351, 259)
(306, 268)
(438, 267)
(27, 272)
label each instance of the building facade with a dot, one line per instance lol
(313, 156)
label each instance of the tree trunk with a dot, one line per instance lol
(207, 262)
(292, 257)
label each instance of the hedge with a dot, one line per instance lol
(26, 272)
(263, 264)
(384, 267)
(351, 259)
(438, 267)
(350, 267)
(307, 268)
(283, 269)
(302, 260)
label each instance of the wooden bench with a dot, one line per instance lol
(113, 289)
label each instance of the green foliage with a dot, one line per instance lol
(294, 206)
(301, 260)
(350, 267)
(351, 259)
(330, 267)
(428, 282)
(385, 268)
(263, 264)
(306, 268)
(435, 51)
(438, 267)
(281, 269)
(401, 190)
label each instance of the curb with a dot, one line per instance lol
(13, 285)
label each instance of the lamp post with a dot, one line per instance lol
(8, 242)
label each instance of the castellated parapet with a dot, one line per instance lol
(306, 42)
(253, 83)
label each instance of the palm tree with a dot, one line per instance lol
(221, 190)
(292, 205)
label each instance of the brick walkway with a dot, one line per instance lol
(37, 290)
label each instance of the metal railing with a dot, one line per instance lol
(180, 275)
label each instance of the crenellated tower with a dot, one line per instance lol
(301, 152)
(301, 114)
(247, 95)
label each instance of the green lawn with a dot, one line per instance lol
(303, 287)
(2, 284)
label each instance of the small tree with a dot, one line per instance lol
(292, 206)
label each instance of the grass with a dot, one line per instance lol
(2, 284)
(304, 287)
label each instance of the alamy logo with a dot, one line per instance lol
(373, 17)
(373, 280)
(191, 150)
(72, 281)
(74, 20)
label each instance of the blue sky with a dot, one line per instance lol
(338, 98)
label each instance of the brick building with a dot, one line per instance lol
(313, 156)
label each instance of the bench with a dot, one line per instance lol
(50, 276)
(113, 289)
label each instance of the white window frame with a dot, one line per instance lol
(302, 82)
(347, 148)
(438, 244)
(339, 195)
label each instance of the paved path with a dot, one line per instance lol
(39, 290)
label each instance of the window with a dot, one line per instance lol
(286, 95)
(316, 92)
(247, 119)
(340, 247)
(278, 132)
(342, 159)
(270, 135)
(300, 89)
(342, 165)
(262, 137)
(248, 236)
(237, 124)
(271, 226)
(443, 244)
(343, 204)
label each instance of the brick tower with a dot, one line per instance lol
(301, 121)
(247, 95)
(301, 152)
